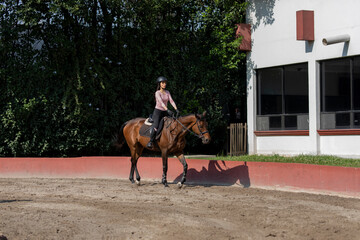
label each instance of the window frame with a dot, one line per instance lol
(346, 130)
(283, 130)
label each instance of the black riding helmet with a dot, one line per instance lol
(161, 79)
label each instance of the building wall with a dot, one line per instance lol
(274, 43)
(285, 145)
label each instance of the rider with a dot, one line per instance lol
(162, 97)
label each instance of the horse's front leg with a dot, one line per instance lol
(181, 158)
(164, 156)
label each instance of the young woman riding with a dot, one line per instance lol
(162, 97)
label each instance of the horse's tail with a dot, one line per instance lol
(119, 139)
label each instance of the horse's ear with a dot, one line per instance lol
(204, 114)
(201, 116)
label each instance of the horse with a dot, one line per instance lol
(172, 141)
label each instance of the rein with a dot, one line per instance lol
(201, 135)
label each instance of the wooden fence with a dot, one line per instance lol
(237, 139)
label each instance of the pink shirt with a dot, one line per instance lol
(162, 100)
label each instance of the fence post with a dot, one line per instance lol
(237, 138)
(245, 140)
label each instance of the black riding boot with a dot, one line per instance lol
(152, 138)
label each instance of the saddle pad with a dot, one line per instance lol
(145, 130)
(147, 122)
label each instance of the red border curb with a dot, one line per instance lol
(305, 177)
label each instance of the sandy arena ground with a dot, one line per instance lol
(116, 209)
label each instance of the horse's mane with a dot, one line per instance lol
(194, 114)
(187, 115)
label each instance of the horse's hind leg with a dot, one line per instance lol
(133, 164)
(135, 154)
(183, 162)
(131, 177)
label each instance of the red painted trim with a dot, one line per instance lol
(283, 133)
(244, 30)
(305, 25)
(339, 132)
(340, 180)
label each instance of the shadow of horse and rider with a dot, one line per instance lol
(218, 173)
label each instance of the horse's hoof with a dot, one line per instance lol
(179, 184)
(137, 182)
(166, 185)
(132, 181)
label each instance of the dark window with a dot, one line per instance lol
(357, 119)
(356, 82)
(296, 89)
(275, 123)
(290, 122)
(340, 93)
(337, 85)
(342, 119)
(283, 97)
(271, 89)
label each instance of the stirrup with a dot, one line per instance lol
(150, 144)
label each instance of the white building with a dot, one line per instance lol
(303, 97)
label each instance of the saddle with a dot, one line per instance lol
(145, 128)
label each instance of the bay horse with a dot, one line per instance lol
(172, 141)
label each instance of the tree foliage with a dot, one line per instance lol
(72, 71)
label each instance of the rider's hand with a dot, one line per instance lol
(170, 113)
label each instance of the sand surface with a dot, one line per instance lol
(116, 209)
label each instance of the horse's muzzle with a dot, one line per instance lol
(205, 140)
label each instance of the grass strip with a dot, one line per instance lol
(306, 159)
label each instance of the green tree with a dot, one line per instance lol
(72, 71)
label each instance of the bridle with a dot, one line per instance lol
(201, 135)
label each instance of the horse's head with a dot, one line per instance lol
(200, 128)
